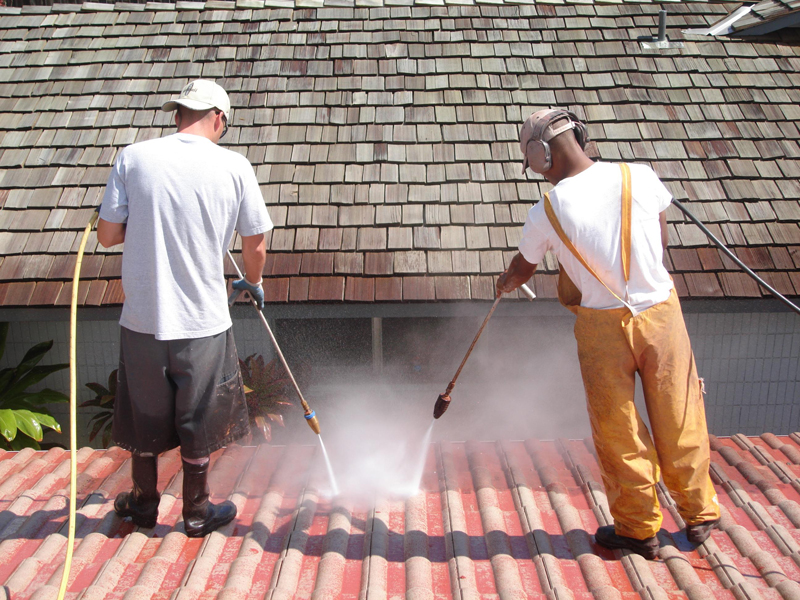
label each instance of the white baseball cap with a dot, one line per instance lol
(201, 94)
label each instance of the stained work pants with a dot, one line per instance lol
(613, 346)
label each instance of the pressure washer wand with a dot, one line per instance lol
(734, 258)
(311, 416)
(443, 401)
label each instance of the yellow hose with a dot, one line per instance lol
(73, 410)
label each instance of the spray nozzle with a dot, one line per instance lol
(311, 417)
(442, 404)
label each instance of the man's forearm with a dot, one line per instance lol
(110, 234)
(518, 272)
(254, 256)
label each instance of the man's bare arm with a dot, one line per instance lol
(518, 272)
(254, 255)
(110, 234)
(662, 218)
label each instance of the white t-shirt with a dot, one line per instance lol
(588, 207)
(181, 197)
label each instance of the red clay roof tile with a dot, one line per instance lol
(550, 500)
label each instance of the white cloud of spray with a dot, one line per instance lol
(522, 381)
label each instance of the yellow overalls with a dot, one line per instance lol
(613, 345)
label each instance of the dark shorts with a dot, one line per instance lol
(185, 393)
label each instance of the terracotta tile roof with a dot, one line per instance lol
(493, 519)
(384, 134)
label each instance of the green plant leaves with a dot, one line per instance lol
(8, 424)
(23, 441)
(28, 424)
(104, 400)
(98, 389)
(45, 396)
(22, 415)
(268, 390)
(33, 376)
(48, 421)
(34, 355)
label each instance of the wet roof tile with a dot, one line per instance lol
(545, 498)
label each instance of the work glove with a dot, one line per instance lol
(255, 290)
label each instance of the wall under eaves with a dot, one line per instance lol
(523, 369)
(384, 135)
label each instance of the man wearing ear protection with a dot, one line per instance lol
(175, 203)
(606, 224)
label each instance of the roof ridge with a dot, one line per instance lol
(201, 5)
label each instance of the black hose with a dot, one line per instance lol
(735, 259)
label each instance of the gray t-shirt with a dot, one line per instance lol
(181, 196)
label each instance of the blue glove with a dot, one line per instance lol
(242, 285)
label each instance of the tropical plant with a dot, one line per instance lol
(104, 401)
(22, 414)
(268, 391)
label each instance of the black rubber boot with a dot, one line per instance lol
(200, 517)
(607, 537)
(697, 534)
(141, 504)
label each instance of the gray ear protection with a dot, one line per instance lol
(540, 159)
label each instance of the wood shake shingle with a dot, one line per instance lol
(384, 132)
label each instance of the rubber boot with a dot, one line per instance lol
(200, 517)
(141, 504)
(607, 537)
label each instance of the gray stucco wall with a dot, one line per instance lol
(522, 381)
(750, 364)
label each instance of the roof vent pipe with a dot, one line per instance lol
(661, 41)
(662, 26)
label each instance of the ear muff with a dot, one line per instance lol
(540, 159)
(580, 131)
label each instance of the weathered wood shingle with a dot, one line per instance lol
(384, 134)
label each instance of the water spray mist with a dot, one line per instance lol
(311, 416)
(443, 401)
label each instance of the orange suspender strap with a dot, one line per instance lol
(625, 234)
(625, 227)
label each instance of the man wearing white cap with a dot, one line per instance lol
(175, 202)
(607, 226)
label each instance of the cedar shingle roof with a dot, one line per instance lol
(504, 519)
(384, 134)
(773, 20)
